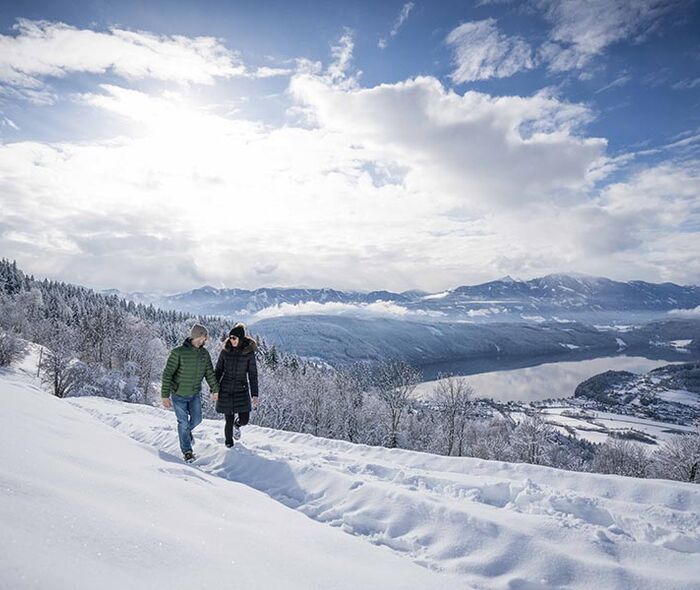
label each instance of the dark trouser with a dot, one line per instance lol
(242, 420)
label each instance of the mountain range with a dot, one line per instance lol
(503, 299)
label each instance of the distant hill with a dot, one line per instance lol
(341, 339)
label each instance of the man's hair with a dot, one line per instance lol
(197, 331)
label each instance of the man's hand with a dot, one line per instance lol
(215, 395)
(167, 403)
(255, 401)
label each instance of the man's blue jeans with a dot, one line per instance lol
(188, 411)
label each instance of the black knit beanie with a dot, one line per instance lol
(237, 331)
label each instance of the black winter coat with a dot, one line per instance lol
(235, 368)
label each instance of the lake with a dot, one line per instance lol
(550, 380)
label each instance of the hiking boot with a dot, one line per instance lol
(189, 456)
(236, 432)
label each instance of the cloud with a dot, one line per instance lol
(616, 83)
(377, 308)
(267, 72)
(309, 203)
(85, 247)
(398, 23)
(42, 49)
(666, 194)
(457, 147)
(693, 313)
(474, 185)
(687, 84)
(337, 70)
(646, 223)
(304, 207)
(582, 30)
(482, 52)
(7, 122)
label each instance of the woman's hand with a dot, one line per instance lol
(215, 395)
(255, 401)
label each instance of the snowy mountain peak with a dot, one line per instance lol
(508, 279)
(208, 289)
(571, 277)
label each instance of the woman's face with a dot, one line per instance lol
(233, 340)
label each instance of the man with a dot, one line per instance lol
(181, 389)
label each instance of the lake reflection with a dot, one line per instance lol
(549, 380)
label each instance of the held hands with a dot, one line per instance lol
(167, 403)
(255, 401)
(215, 395)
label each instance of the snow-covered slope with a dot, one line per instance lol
(83, 506)
(93, 494)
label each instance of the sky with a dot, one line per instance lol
(161, 146)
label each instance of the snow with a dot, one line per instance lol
(93, 493)
(596, 425)
(437, 295)
(84, 506)
(616, 327)
(680, 396)
(483, 311)
(533, 318)
(681, 343)
(654, 428)
(482, 301)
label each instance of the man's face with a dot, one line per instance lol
(199, 341)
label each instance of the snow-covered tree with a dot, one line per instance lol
(395, 382)
(532, 440)
(489, 439)
(350, 384)
(56, 363)
(679, 457)
(452, 399)
(11, 348)
(621, 457)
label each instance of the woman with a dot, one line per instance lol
(235, 369)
